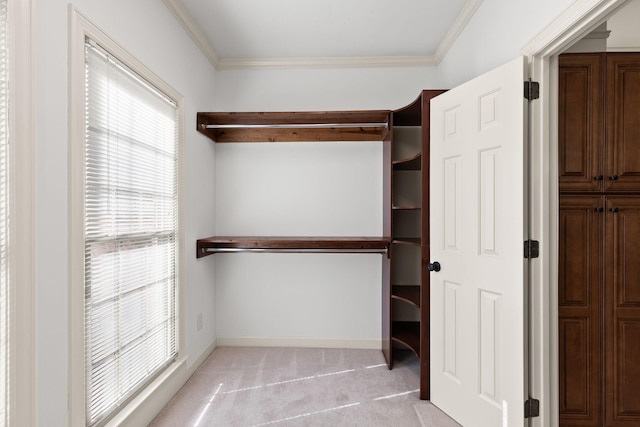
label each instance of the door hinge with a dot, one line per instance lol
(531, 90)
(531, 408)
(531, 249)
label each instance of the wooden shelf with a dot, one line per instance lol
(407, 334)
(414, 241)
(409, 294)
(411, 164)
(407, 208)
(295, 126)
(218, 244)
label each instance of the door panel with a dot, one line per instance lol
(477, 232)
(580, 275)
(622, 344)
(623, 111)
(580, 122)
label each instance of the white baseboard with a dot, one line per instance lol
(373, 344)
(148, 404)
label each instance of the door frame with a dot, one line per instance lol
(580, 18)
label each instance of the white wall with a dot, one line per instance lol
(147, 30)
(321, 89)
(495, 35)
(325, 189)
(299, 189)
(624, 28)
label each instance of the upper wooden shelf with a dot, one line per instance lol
(295, 126)
(218, 244)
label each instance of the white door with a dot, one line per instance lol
(477, 233)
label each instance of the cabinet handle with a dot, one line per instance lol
(601, 209)
(613, 177)
(598, 177)
(614, 209)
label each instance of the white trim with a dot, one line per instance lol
(373, 344)
(597, 35)
(147, 405)
(324, 62)
(623, 49)
(22, 375)
(456, 29)
(580, 18)
(176, 7)
(193, 30)
(79, 28)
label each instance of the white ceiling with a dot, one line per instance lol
(316, 33)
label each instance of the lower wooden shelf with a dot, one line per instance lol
(291, 244)
(407, 334)
(410, 294)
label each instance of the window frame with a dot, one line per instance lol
(80, 29)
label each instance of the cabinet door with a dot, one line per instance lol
(623, 122)
(622, 325)
(580, 122)
(580, 275)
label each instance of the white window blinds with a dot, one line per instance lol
(4, 223)
(130, 232)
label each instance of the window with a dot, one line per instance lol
(130, 232)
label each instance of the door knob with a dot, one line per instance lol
(434, 266)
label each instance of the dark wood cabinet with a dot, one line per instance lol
(599, 239)
(599, 122)
(580, 271)
(406, 220)
(622, 311)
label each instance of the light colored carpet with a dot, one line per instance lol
(241, 386)
(430, 416)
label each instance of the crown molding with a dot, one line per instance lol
(456, 28)
(193, 30)
(324, 62)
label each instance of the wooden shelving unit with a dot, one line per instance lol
(406, 279)
(230, 127)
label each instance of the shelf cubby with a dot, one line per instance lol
(407, 293)
(407, 334)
